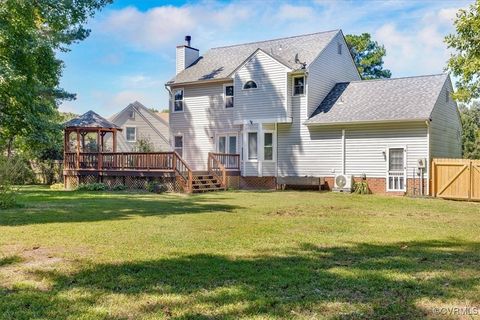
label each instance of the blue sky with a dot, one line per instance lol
(130, 53)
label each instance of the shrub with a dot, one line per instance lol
(156, 187)
(119, 187)
(92, 187)
(56, 186)
(361, 187)
(12, 172)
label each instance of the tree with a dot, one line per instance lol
(368, 56)
(465, 63)
(470, 130)
(31, 32)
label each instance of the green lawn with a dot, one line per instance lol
(261, 255)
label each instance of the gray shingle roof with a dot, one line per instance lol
(218, 63)
(90, 119)
(410, 98)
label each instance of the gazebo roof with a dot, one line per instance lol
(91, 119)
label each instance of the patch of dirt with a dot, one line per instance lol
(29, 265)
(287, 212)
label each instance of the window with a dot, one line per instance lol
(228, 96)
(268, 146)
(447, 96)
(339, 48)
(131, 114)
(252, 146)
(249, 85)
(178, 145)
(131, 134)
(298, 86)
(178, 100)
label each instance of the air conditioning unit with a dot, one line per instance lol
(421, 163)
(343, 183)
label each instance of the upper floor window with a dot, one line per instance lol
(131, 114)
(447, 96)
(131, 134)
(228, 96)
(339, 48)
(298, 86)
(178, 100)
(250, 85)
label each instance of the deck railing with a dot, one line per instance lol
(231, 161)
(217, 169)
(183, 171)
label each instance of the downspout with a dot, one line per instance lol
(169, 110)
(343, 151)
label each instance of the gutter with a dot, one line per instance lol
(345, 123)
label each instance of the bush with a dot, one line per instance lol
(156, 187)
(92, 187)
(13, 171)
(361, 187)
(119, 187)
(56, 186)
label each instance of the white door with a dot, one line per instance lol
(396, 174)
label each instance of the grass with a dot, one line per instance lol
(260, 255)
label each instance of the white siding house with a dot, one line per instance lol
(138, 122)
(296, 107)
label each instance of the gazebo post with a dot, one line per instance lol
(78, 149)
(114, 140)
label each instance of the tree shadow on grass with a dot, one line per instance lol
(56, 207)
(361, 281)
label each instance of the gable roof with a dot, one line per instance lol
(411, 98)
(219, 63)
(90, 119)
(138, 106)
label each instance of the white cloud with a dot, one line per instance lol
(420, 48)
(290, 12)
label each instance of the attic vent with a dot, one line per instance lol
(339, 48)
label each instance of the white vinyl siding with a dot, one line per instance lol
(327, 70)
(365, 148)
(148, 126)
(445, 127)
(203, 119)
(268, 100)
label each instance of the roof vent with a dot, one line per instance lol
(187, 40)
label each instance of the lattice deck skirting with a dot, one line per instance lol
(72, 182)
(253, 183)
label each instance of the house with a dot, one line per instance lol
(296, 107)
(140, 124)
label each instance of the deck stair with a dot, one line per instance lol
(203, 181)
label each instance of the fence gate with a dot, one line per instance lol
(456, 179)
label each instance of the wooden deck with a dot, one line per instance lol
(152, 164)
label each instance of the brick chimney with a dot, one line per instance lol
(186, 55)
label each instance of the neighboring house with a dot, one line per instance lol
(139, 123)
(296, 107)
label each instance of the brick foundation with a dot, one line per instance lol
(378, 185)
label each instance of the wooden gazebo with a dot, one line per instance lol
(89, 122)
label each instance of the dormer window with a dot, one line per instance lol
(298, 86)
(250, 85)
(178, 100)
(131, 115)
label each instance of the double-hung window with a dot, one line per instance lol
(268, 146)
(178, 100)
(228, 96)
(131, 134)
(298, 86)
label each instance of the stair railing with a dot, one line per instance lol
(217, 170)
(183, 172)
